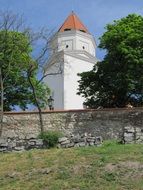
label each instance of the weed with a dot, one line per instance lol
(50, 138)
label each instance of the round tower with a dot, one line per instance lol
(72, 51)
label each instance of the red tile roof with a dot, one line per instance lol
(73, 23)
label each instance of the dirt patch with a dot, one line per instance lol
(80, 169)
(127, 165)
(128, 169)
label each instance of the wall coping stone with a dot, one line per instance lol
(75, 110)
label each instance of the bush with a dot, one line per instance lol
(50, 138)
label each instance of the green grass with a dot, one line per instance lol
(109, 167)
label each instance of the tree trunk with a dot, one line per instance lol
(1, 105)
(37, 105)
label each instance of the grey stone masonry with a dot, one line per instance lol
(132, 135)
(79, 141)
(8, 145)
(22, 128)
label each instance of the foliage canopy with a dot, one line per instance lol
(15, 59)
(118, 80)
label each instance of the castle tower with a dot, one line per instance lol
(72, 51)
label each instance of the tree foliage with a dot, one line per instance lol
(15, 60)
(119, 77)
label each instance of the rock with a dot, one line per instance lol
(70, 145)
(3, 149)
(39, 142)
(3, 142)
(90, 139)
(129, 139)
(21, 148)
(81, 144)
(129, 129)
(98, 140)
(76, 145)
(31, 143)
(91, 144)
(65, 142)
(128, 134)
(31, 136)
(76, 139)
(12, 145)
(11, 134)
(62, 139)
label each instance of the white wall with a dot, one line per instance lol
(75, 40)
(81, 42)
(56, 85)
(72, 67)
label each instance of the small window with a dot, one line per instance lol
(67, 46)
(83, 47)
(67, 29)
(83, 31)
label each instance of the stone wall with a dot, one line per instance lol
(16, 144)
(123, 124)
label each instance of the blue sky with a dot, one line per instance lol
(95, 14)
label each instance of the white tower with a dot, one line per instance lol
(72, 52)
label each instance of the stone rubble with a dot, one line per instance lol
(132, 135)
(79, 141)
(12, 144)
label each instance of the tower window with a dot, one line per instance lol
(83, 47)
(67, 29)
(83, 31)
(67, 46)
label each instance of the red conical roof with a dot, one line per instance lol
(73, 23)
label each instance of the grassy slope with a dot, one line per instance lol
(110, 167)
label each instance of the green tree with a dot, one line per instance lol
(15, 61)
(15, 58)
(119, 77)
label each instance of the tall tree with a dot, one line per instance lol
(119, 77)
(15, 60)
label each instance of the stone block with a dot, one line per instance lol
(20, 143)
(90, 139)
(98, 140)
(3, 142)
(91, 144)
(3, 149)
(31, 143)
(129, 129)
(128, 134)
(141, 137)
(11, 134)
(21, 148)
(39, 142)
(129, 139)
(31, 136)
(76, 139)
(81, 144)
(76, 145)
(62, 139)
(138, 130)
(12, 144)
(70, 145)
(65, 142)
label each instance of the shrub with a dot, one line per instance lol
(50, 138)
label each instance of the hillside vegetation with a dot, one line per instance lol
(109, 167)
